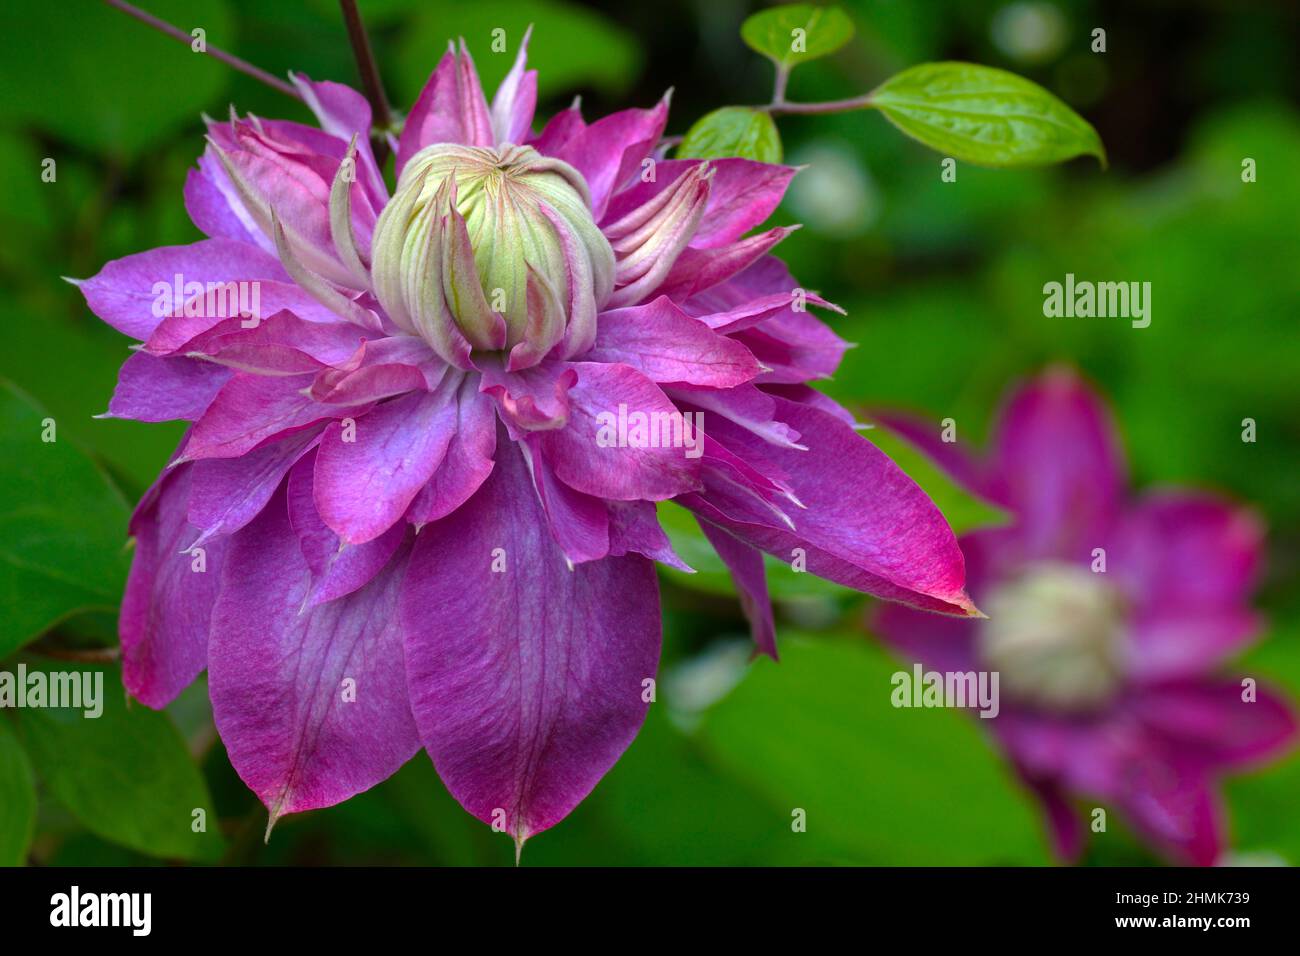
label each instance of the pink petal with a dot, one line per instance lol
(621, 473)
(746, 566)
(307, 699)
(450, 109)
(526, 684)
(165, 613)
(151, 389)
(666, 345)
(515, 100)
(1061, 466)
(363, 487)
(610, 151)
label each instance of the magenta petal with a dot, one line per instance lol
(697, 270)
(468, 460)
(1061, 466)
(527, 684)
(214, 207)
(610, 151)
(746, 566)
(743, 194)
(165, 614)
(132, 294)
(450, 109)
(307, 700)
(863, 523)
(1210, 723)
(516, 99)
(624, 473)
(228, 493)
(364, 486)
(251, 409)
(667, 345)
(152, 389)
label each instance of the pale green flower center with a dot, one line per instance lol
(1055, 635)
(529, 266)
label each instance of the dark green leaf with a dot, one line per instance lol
(797, 32)
(62, 527)
(17, 800)
(985, 116)
(125, 775)
(732, 131)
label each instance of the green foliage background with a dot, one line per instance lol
(942, 282)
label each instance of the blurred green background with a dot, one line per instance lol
(942, 283)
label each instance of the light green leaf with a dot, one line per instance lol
(884, 785)
(985, 116)
(964, 511)
(125, 775)
(732, 131)
(797, 32)
(62, 526)
(17, 798)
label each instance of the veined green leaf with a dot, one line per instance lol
(62, 526)
(732, 131)
(126, 775)
(797, 32)
(986, 116)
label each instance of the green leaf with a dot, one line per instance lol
(796, 33)
(125, 775)
(104, 81)
(964, 511)
(884, 785)
(17, 797)
(62, 527)
(985, 116)
(732, 131)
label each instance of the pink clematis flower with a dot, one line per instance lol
(1109, 621)
(414, 507)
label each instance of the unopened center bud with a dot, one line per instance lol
(492, 250)
(1055, 636)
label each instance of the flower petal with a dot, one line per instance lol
(863, 523)
(666, 345)
(527, 684)
(165, 613)
(1061, 466)
(450, 109)
(152, 389)
(306, 700)
(746, 566)
(364, 485)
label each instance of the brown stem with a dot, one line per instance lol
(176, 33)
(370, 80)
(831, 106)
(92, 655)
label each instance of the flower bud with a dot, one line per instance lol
(492, 250)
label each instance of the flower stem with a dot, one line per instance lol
(781, 107)
(176, 33)
(371, 82)
(93, 655)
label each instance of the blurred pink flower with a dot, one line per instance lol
(1109, 621)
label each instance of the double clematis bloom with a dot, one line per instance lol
(1108, 622)
(393, 522)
